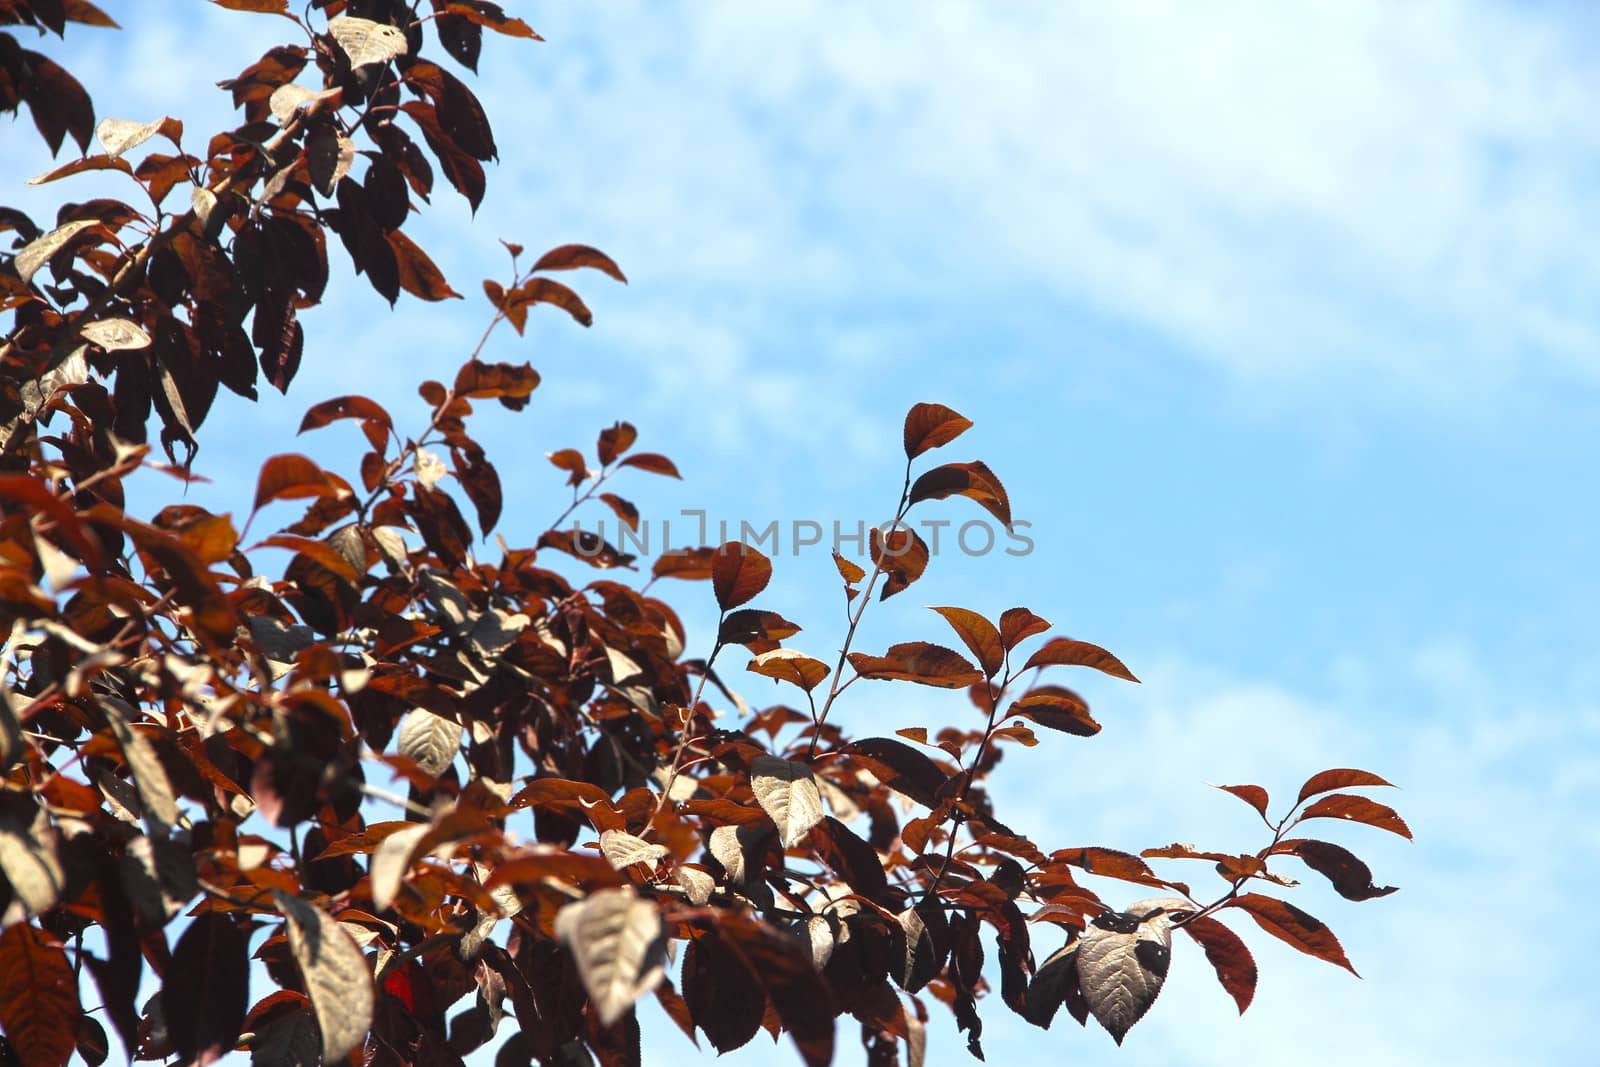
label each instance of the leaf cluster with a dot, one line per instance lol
(439, 801)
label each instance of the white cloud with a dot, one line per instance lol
(1344, 192)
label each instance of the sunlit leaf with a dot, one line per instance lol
(1235, 967)
(972, 480)
(788, 793)
(365, 41)
(38, 996)
(570, 257)
(789, 665)
(738, 573)
(1293, 926)
(919, 661)
(619, 943)
(335, 972)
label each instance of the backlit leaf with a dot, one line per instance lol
(571, 257)
(738, 573)
(1352, 808)
(1293, 926)
(979, 635)
(290, 477)
(931, 425)
(1235, 967)
(974, 481)
(653, 462)
(1253, 795)
(1338, 778)
(38, 997)
(919, 661)
(1064, 651)
(900, 554)
(1058, 708)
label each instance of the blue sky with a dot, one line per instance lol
(1279, 325)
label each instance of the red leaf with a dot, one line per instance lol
(1235, 967)
(653, 462)
(625, 510)
(1064, 651)
(725, 994)
(571, 257)
(210, 980)
(852, 859)
(1357, 809)
(1288, 923)
(344, 407)
(979, 635)
(931, 425)
(738, 573)
(974, 481)
(1252, 795)
(38, 996)
(290, 476)
(1338, 778)
(919, 661)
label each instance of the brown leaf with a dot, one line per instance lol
(974, 481)
(738, 573)
(571, 257)
(1351, 878)
(900, 767)
(292, 476)
(1350, 807)
(506, 381)
(1338, 778)
(979, 635)
(615, 441)
(545, 291)
(1289, 924)
(571, 461)
(756, 629)
(1058, 708)
(1019, 624)
(336, 976)
(419, 275)
(850, 572)
(1253, 795)
(788, 665)
(210, 979)
(1235, 967)
(919, 661)
(38, 997)
(690, 564)
(653, 462)
(345, 407)
(1067, 652)
(931, 425)
(900, 554)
